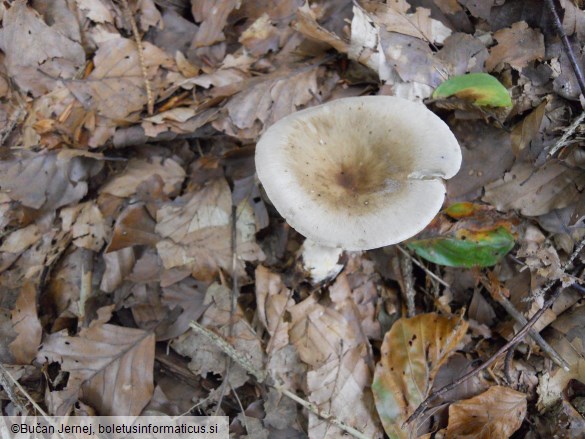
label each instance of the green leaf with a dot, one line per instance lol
(467, 249)
(480, 88)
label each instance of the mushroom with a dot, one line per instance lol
(358, 173)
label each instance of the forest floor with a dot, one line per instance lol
(143, 269)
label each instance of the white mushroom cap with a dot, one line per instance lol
(358, 173)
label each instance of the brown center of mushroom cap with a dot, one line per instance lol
(356, 171)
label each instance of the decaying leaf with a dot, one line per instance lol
(110, 368)
(412, 352)
(495, 414)
(256, 107)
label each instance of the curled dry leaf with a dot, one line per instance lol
(394, 18)
(272, 298)
(412, 352)
(495, 414)
(134, 226)
(110, 368)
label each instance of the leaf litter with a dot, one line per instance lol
(119, 228)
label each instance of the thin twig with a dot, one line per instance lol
(425, 269)
(140, 48)
(407, 284)
(541, 342)
(6, 374)
(564, 140)
(261, 376)
(567, 45)
(9, 127)
(495, 290)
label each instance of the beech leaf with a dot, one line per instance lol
(412, 352)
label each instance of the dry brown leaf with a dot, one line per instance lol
(269, 99)
(213, 17)
(281, 412)
(196, 232)
(86, 224)
(110, 368)
(61, 297)
(206, 356)
(340, 366)
(134, 226)
(137, 171)
(541, 257)
(535, 192)
(341, 387)
(26, 325)
(21, 239)
(479, 9)
(568, 339)
(394, 18)
(38, 55)
(517, 46)
(307, 25)
(412, 353)
(119, 264)
(187, 294)
(261, 37)
(527, 130)
(98, 11)
(495, 414)
(115, 88)
(360, 285)
(487, 155)
(46, 181)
